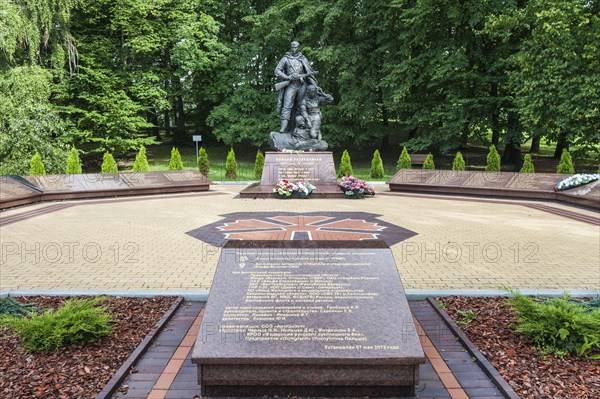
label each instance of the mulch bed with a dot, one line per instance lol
(76, 371)
(532, 375)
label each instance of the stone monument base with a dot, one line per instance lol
(316, 167)
(307, 318)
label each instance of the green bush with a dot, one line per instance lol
(36, 166)
(11, 307)
(76, 322)
(141, 162)
(175, 163)
(377, 170)
(404, 161)
(259, 165)
(231, 165)
(493, 160)
(428, 164)
(558, 326)
(109, 165)
(73, 163)
(203, 164)
(459, 162)
(566, 163)
(527, 165)
(345, 168)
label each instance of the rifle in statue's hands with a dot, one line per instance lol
(285, 83)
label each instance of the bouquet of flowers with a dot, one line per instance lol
(576, 181)
(355, 188)
(286, 189)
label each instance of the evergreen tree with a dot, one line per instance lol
(527, 165)
(345, 168)
(566, 163)
(493, 160)
(428, 164)
(404, 161)
(74, 163)
(377, 170)
(175, 163)
(141, 162)
(108, 164)
(259, 164)
(231, 165)
(36, 167)
(459, 162)
(203, 164)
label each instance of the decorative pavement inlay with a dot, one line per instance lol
(346, 226)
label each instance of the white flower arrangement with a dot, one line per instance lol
(285, 188)
(576, 180)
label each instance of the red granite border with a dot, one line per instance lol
(115, 382)
(485, 365)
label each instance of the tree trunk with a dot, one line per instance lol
(561, 145)
(535, 145)
(180, 136)
(495, 117)
(167, 118)
(464, 136)
(152, 117)
(512, 155)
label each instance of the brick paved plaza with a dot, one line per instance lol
(141, 243)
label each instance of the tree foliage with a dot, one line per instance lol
(108, 75)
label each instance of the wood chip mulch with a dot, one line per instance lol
(76, 371)
(531, 374)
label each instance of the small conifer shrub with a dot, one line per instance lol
(259, 164)
(493, 160)
(175, 163)
(231, 165)
(345, 168)
(459, 162)
(404, 161)
(429, 164)
(527, 165)
(36, 167)
(109, 165)
(566, 163)
(203, 164)
(74, 163)
(141, 162)
(377, 171)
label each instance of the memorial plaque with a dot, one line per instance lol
(14, 191)
(319, 318)
(316, 167)
(502, 184)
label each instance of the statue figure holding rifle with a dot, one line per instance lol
(296, 76)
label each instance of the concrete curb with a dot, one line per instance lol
(117, 379)
(202, 295)
(193, 296)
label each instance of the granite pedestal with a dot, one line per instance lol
(316, 167)
(318, 318)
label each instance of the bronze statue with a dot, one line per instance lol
(298, 100)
